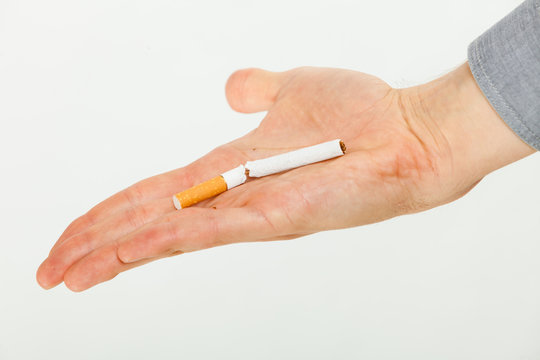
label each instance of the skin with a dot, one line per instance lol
(408, 150)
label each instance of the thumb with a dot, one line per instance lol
(253, 90)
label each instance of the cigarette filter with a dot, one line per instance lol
(296, 158)
(210, 188)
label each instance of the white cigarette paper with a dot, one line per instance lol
(296, 158)
(235, 177)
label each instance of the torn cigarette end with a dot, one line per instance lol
(342, 146)
(210, 188)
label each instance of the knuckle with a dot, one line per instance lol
(81, 222)
(171, 233)
(214, 236)
(133, 194)
(136, 216)
(77, 243)
(76, 226)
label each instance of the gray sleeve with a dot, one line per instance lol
(505, 61)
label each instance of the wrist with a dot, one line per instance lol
(478, 140)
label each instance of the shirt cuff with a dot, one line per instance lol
(505, 61)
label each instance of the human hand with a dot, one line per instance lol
(407, 150)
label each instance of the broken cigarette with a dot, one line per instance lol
(296, 158)
(210, 188)
(258, 168)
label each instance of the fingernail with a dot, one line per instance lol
(125, 258)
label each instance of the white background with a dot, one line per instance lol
(95, 95)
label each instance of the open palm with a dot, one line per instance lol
(390, 163)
